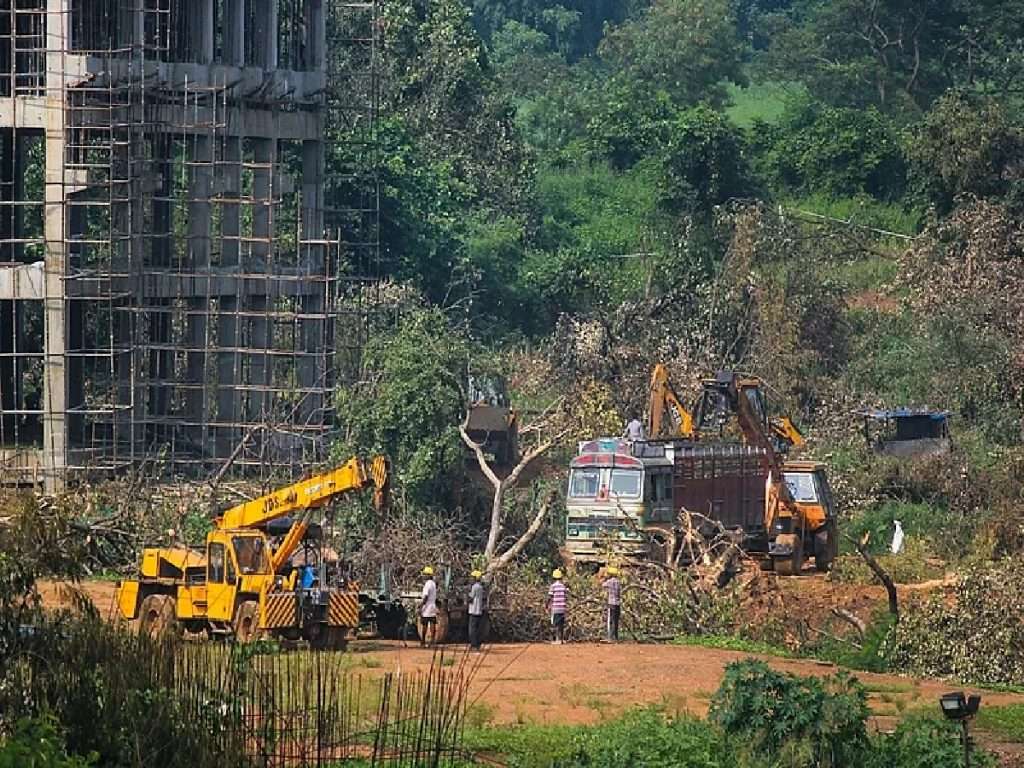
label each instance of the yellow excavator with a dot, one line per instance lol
(242, 584)
(799, 521)
(667, 417)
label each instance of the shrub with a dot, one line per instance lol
(916, 563)
(923, 742)
(809, 721)
(646, 739)
(39, 743)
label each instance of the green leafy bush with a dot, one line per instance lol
(646, 739)
(835, 151)
(804, 721)
(923, 742)
(39, 743)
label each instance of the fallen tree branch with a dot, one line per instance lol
(852, 619)
(880, 573)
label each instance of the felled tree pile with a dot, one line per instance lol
(976, 633)
(111, 522)
(658, 603)
(404, 546)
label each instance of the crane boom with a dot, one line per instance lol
(308, 494)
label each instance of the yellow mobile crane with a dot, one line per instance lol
(239, 583)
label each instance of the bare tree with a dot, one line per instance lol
(502, 485)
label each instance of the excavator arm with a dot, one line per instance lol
(667, 416)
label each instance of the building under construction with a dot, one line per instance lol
(174, 287)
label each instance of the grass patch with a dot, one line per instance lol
(760, 101)
(874, 273)
(862, 210)
(1007, 721)
(532, 746)
(730, 643)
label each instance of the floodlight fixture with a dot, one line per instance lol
(957, 706)
(960, 708)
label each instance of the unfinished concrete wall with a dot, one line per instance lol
(171, 280)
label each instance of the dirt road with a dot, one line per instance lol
(584, 683)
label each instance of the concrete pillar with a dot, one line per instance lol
(316, 35)
(199, 222)
(131, 26)
(54, 317)
(260, 363)
(310, 371)
(232, 30)
(8, 175)
(200, 31)
(264, 33)
(229, 334)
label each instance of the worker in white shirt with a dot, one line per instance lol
(428, 609)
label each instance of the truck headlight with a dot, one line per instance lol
(574, 531)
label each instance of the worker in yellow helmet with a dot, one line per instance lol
(428, 609)
(477, 607)
(558, 601)
(613, 603)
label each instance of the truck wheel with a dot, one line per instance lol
(794, 563)
(156, 616)
(246, 622)
(391, 621)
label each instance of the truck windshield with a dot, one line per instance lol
(626, 483)
(801, 487)
(583, 483)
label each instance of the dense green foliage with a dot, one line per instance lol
(759, 719)
(811, 720)
(411, 403)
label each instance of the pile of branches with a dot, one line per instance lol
(710, 587)
(404, 545)
(112, 521)
(973, 633)
(658, 603)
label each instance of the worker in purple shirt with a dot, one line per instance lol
(613, 591)
(557, 601)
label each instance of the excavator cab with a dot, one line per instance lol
(811, 531)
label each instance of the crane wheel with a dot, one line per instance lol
(246, 622)
(330, 639)
(156, 616)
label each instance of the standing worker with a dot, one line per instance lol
(613, 589)
(428, 609)
(476, 611)
(634, 429)
(557, 600)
